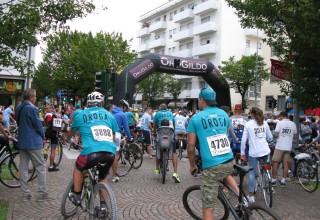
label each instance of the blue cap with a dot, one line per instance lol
(78, 105)
(208, 95)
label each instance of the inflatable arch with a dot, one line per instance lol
(150, 63)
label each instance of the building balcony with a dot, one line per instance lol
(252, 32)
(204, 28)
(142, 48)
(143, 32)
(205, 7)
(183, 35)
(157, 43)
(183, 53)
(183, 16)
(161, 25)
(204, 50)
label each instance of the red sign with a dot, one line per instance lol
(278, 69)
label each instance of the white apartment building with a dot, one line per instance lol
(205, 29)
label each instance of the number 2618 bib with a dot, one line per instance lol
(102, 133)
(218, 144)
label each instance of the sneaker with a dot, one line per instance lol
(26, 198)
(73, 198)
(176, 177)
(157, 171)
(274, 183)
(199, 175)
(251, 199)
(282, 184)
(55, 164)
(115, 179)
(44, 198)
(53, 169)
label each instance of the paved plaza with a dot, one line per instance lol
(141, 195)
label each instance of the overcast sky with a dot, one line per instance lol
(121, 16)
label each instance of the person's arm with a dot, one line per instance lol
(191, 152)
(243, 142)
(231, 132)
(4, 132)
(125, 126)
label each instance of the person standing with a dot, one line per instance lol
(285, 131)
(210, 127)
(146, 127)
(257, 131)
(30, 137)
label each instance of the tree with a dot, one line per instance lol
(153, 86)
(242, 73)
(291, 27)
(26, 23)
(74, 58)
(174, 87)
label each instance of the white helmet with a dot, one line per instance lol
(124, 103)
(95, 97)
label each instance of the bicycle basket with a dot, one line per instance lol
(165, 137)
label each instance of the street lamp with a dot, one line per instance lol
(256, 73)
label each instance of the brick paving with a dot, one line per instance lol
(141, 195)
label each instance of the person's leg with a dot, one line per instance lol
(40, 166)
(77, 180)
(275, 168)
(52, 155)
(115, 178)
(23, 172)
(253, 162)
(115, 165)
(277, 158)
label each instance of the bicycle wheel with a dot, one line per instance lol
(138, 157)
(103, 203)
(260, 211)
(307, 174)
(58, 156)
(67, 208)
(192, 203)
(9, 170)
(163, 167)
(266, 188)
(180, 148)
(125, 162)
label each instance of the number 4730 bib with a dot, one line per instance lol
(218, 144)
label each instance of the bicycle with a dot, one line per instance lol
(310, 149)
(263, 182)
(9, 165)
(97, 198)
(47, 148)
(181, 140)
(125, 160)
(305, 171)
(137, 154)
(164, 144)
(228, 201)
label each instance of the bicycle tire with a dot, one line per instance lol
(95, 209)
(192, 203)
(315, 158)
(66, 203)
(258, 211)
(164, 166)
(125, 162)
(59, 153)
(307, 175)
(180, 148)
(266, 188)
(9, 170)
(138, 156)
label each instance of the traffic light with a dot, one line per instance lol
(176, 63)
(101, 83)
(98, 87)
(275, 102)
(64, 93)
(113, 80)
(270, 102)
(70, 92)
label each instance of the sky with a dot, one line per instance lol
(121, 16)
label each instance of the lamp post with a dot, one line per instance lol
(256, 73)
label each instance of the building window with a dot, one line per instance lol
(170, 34)
(146, 40)
(281, 104)
(251, 93)
(191, 6)
(164, 17)
(157, 37)
(182, 9)
(188, 86)
(174, 30)
(157, 20)
(190, 25)
(175, 12)
(190, 45)
(205, 41)
(169, 51)
(203, 84)
(173, 49)
(171, 16)
(205, 20)
(247, 43)
(183, 27)
(259, 46)
(162, 51)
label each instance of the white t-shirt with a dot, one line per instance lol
(286, 130)
(258, 136)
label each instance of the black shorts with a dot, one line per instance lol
(147, 136)
(52, 135)
(131, 127)
(91, 160)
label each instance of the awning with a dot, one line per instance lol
(178, 104)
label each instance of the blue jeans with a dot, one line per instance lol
(253, 162)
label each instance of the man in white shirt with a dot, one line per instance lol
(284, 132)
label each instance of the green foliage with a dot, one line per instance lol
(174, 87)
(153, 86)
(292, 30)
(26, 23)
(4, 208)
(73, 58)
(242, 73)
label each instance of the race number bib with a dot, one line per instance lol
(218, 144)
(236, 121)
(179, 122)
(286, 131)
(102, 133)
(259, 132)
(57, 122)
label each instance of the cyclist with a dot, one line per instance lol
(164, 113)
(97, 127)
(146, 127)
(210, 127)
(257, 131)
(180, 125)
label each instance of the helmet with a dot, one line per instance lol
(270, 121)
(124, 103)
(95, 97)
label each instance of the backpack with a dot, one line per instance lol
(305, 130)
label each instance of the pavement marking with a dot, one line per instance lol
(71, 154)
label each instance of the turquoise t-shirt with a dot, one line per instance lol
(96, 126)
(161, 115)
(211, 127)
(130, 118)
